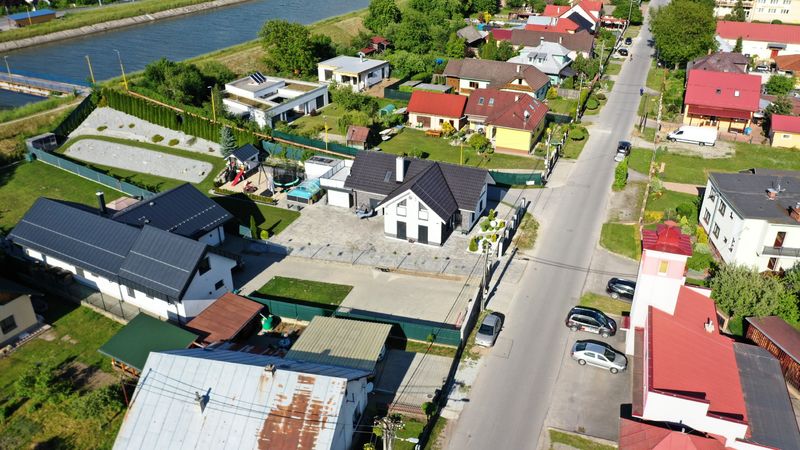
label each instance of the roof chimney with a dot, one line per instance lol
(561, 39)
(399, 169)
(541, 40)
(101, 202)
(709, 326)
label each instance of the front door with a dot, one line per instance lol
(422, 234)
(401, 230)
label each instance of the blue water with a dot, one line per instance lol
(177, 38)
(10, 99)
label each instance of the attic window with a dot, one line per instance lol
(719, 91)
(387, 177)
(491, 101)
(735, 93)
(480, 101)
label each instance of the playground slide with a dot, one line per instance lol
(238, 177)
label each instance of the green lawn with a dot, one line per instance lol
(632, 31)
(526, 235)
(655, 76)
(648, 134)
(639, 160)
(572, 149)
(306, 290)
(575, 441)
(27, 427)
(21, 185)
(412, 429)
(613, 68)
(330, 113)
(605, 303)
(621, 239)
(439, 149)
(562, 105)
(267, 218)
(669, 200)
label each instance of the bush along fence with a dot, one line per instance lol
(75, 118)
(516, 178)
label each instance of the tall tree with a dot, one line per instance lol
(683, 30)
(743, 292)
(782, 106)
(738, 47)
(489, 48)
(413, 34)
(779, 85)
(631, 7)
(505, 51)
(455, 47)
(380, 14)
(288, 47)
(227, 141)
(490, 6)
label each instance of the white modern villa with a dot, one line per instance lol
(355, 71)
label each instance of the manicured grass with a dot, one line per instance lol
(21, 185)
(572, 149)
(613, 68)
(669, 200)
(605, 303)
(639, 160)
(648, 134)
(562, 105)
(332, 113)
(25, 427)
(269, 218)
(575, 441)
(306, 290)
(439, 149)
(422, 347)
(526, 234)
(469, 348)
(412, 429)
(621, 239)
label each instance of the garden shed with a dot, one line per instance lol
(780, 339)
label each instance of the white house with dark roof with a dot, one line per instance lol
(356, 72)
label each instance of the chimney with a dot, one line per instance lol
(527, 116)
(772, 194)
(541, 40)
(709, 326)
(101, 202)
(400, 169)
(794, 211)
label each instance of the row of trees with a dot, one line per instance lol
(742, 292)
(182, 82)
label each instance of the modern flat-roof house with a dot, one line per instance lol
(357, 72)
(267, 100)
(466, 75)
(686, 372)
(722, 100)
(765, 41)
(549, 57)
(578, 43)
(784, 131)
(431, 110)
(512, 121)
(422, 201)
(158, 254)
(210, 399)
(752, 217)
(16, 312)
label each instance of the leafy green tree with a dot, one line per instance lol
(413, 34)
(227, 141)
(455, 47)
(781, 106)
(405, 64)
(353, 118)
(380, 14)
(288, 47)
(683, 30)
(322, 47)
(586, 66)
(490, 6)
(505, 51)
(738, 14)
(216, 73)
(181, 82)
(479, 143)
(738, 47)
(742, 292)
(779, 85)
(489, 49)
(631, 7)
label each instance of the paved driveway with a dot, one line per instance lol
(411, 379)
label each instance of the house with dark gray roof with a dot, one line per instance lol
(466, 75)
(753, 217)
(150, 265)
(421, 201)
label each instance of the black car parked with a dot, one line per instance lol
(591, 320)
(624, 147)
(628, 41)
(623, 52)
(620, 287)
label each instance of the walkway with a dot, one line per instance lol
(693, 189)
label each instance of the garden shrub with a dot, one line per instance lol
(102, 128)
(157, 138)
(131, 125)
(264, 235)
(592, 104)
(702, 236)
(99, 403)
(685, 210)
(473, 244)
(600, 96)
(494, 238)
(173, 142)
(577, 134)
(653, 216)
(552, 93)
(492, 214)
(621, 175)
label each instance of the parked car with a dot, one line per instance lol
(623, 51)
(599, 355)
(694, 135)
(488, 331)
(623, 150)
(628, 41)
(591, 320)
(620, 287)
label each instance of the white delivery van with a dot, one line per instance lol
(694, 135)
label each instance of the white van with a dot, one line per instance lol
(694, 135)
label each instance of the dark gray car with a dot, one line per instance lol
(583, 318)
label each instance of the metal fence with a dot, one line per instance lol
(316, 143)
(516, 178)
(438, 333)
(284, 151)
(89, 174)
(293, 310)
(395, 94)
(552, 117)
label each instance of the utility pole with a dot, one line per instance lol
(389, 425)
(8, 69)
(602, 50)
(660, 105)
(91, 72)
(580, 94)
(122, 69)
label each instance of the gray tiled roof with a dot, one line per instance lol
(720, 62)
(746, 192)
(496, 73)
(430, 186)
(245, 152)
(183, 210)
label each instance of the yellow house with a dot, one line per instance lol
(16, 312)
(785, 131)
(512, 121)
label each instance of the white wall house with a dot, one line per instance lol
(765, 41)
(358, 73)
(270, 99)
(749, 220)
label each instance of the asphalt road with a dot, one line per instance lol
(509, 400)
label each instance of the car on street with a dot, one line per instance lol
(623, 52)
(623, 150)
(621, 288)
(584, 318)
(628, 41)
(599, 355)
(488, 331)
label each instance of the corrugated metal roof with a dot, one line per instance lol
(341, 342)
(224, 318)
(247, 407)
(142, 335)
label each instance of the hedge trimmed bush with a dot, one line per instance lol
(592, 104)
(600, 96)
(157, 138)
(620, 175)
(577, 134)
(473, 244)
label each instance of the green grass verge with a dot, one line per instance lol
(412, 428)
(621, 239)
(306, 290)
(572, 149)
(34, 108)
(613, 68)
(576, 442)
(438, 428)
(469, 348)
(422, 347)
(639, 160)
(269, 218)
(605, 303)
(632, 31)
(526, 234)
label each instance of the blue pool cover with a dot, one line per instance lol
(306, 189)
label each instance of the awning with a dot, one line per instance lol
(719, 112)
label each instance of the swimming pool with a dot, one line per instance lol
(307, 192)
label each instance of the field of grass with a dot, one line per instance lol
(575, 441)
(605, 303)
(439, 149)
(613, 68)
(562, 105)
(621, 239)
(306, 290)
(639, 160)
(34, 108)
(77, 334)
(12, 147)
(269, 218)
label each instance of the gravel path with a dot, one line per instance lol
(139, 160)
(118, 124)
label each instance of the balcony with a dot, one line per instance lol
(731, 3)
(786, 252)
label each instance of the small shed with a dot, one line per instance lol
(357, 136)
(129, 348)
(780, 339)
(245, 157)
(341, 342)
(25, 19)
(227, 319)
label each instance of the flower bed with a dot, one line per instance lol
(491, 231)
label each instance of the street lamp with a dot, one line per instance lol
(325, 120)
(122, 69)
(8, 69)
(213, 106)
(91, 72)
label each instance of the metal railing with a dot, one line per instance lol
(781, 251)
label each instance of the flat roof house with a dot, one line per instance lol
(722, 100)
(466, 75)
(784, 131)
(267, 100)
(211, 399)
(512, 121)
(357, 72)
(431, 110)
(762, 40)
(750, 217)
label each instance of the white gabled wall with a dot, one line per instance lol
(392, 215)
(355, 400)
(201, 291)
(214, 237)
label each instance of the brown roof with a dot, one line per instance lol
(224, 318)
(780, 333)
(795, 102)
(506, 109)
(580, 41)
(720, 62)
(497, 73)
(788, 62)
(357, 133)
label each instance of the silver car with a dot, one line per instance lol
(488, 331)
(599, 355)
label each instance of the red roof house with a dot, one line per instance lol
(762, 40)
(357, 136)
(225, 319)
(492, 109)
(429, 110)
(559, 25)
(789, 124)
(555, 10)
(667, 237)
(635, 435)
(725, 100)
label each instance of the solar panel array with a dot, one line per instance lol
(258, 78)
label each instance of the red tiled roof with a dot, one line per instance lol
(726, 90)
(762, 32)
(502, 34)
(357, 133)
(667, 237)
(719, 112)
(591, 6)
(789, 124)
(224, 318)
(379, 40)
(367, 50)
(787, 62)
(506, 109)
(555, 10)
(644, 436)
(686, 360)
(561, 26)
(779, 332)
(437, 104)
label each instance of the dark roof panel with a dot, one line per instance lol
(783, 335)
(746, 192)
(245, 152)
(142, 335)
(430, 186)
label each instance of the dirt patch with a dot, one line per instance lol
(625, 205)
(48, 336)
(84, 377)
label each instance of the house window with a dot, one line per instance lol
(205, 265)
(716, 231)
(8, 324)
(480, 101)
(706, 216)
(772, 263)
(772, 10)
(491, 101)
(779, 238)
(219, 285)
(146, 295)
(722, 208)
(401, 208)
(423, 212)
(662, 267)
(473, 85)
(131, 293)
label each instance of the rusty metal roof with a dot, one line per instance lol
(224, 318)
(341, 342)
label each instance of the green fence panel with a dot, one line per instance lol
(552, 117)
(515, 179)
(395, 94)
(284, 151)
(316, 143)
(291, 309)
(441, 333)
